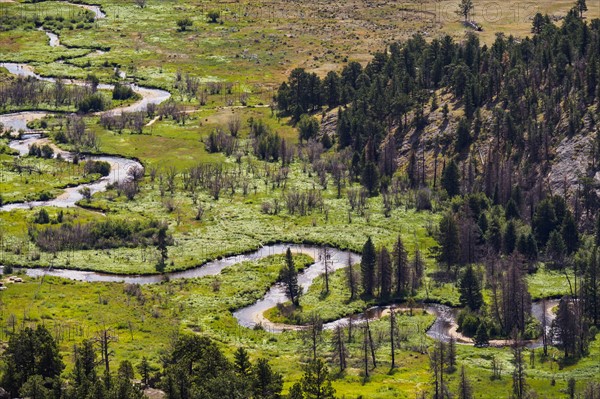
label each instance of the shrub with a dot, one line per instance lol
(122, 92)
(92, 103)
(100, 167)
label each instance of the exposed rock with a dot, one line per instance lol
(571, 163)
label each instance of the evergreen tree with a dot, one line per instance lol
(241, 362)
(266, 384)
(30, 353)
(512, 210)
(367, 267)
(289, 276)
(370, 178)
(482, 338)
(538, 23)
(316, 382)
(510, 238)
(384, 263)
(465, 389)
(590, 287)
(449, 240)
(470, 289)
(400, 259)
(581, 7)
(556, 249)
(161, 245)
(331, 89)
(451, 179)
(544, 221)
(570, 234)
(463, 136)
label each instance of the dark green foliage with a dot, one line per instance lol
(401, 268)
(213, 16)
(527, 246)
(470, 289)
(162, 240)
(367, 267)
(590, 287)
(316, 382)
(482, 338)
(241, 362)
(92, 103)
(510, 238)
(267, 146)
(308, 127)
(463, 135)
(544, 221)
(384, 266)
(301, 95)
(451, 179)
(184, 23)
(100, 167)
(512, 210)
(42, 217)
(265, 383)
(44, 151)
(370, 178)
(449, 240)
(122, 92)
(289, 277)
(30, 353)
(109, 233)
(570, 234)
(570, 329)
(332, 89)
(556, 249)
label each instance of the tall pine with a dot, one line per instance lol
(367, 267)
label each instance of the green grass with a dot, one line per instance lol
(40, 178)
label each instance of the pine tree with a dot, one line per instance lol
(470, 289)
(544, 221)
(161, 245)
(590, 288)
(289, 276)
(265, 383)
(494, 235)
(465, 390)
(384, 265)
(449, 240)
(316, 382)
(581, 7)
(512, 210)
(401, 269)
(370, 178)
(418, 270)
(482, 338)
(463, 136)
(570, 234)
(510, 238)
(451, 179)
(241, 362)
(556, 249)
(367, 267)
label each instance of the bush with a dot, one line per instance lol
(213, 16)
(100, 167)
(122, 92)
(184, 23)
(468, 323)
(92, 103)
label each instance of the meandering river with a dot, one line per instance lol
(443, 328)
